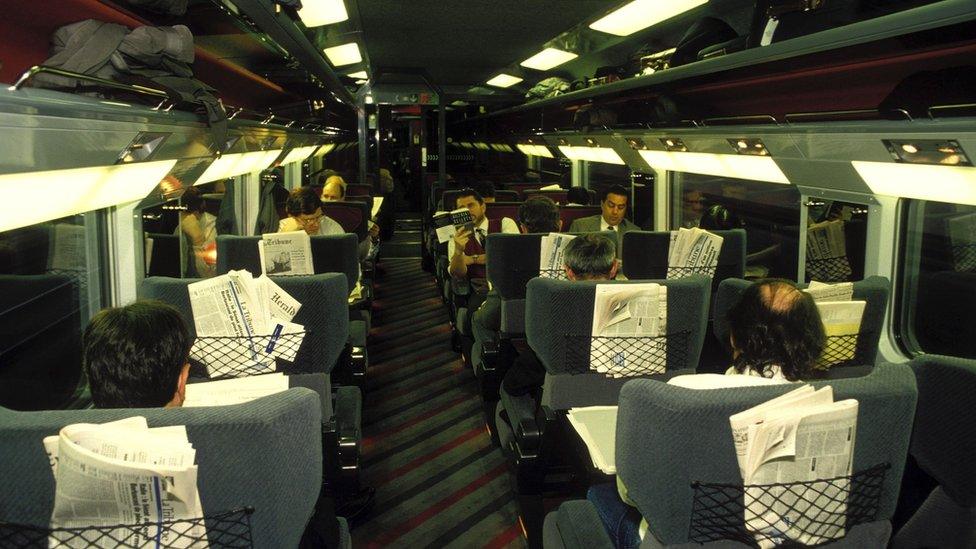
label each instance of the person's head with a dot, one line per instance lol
(614, 204)
(192, 199)
(775, 324)
(718, 218)
(692, 204)
(578, 195)
(137, 356)
(325, 175)
(486, 189)
(590, 257)
(472, 200)
(334, 189)
(539, 214)
(306, 208)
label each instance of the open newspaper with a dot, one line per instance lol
(597, 427)
(553, 187)
(627, 322)
(287, 253)
(962, 238)
(801, 436)
(377, 203)
(123, 472)
(448, 223)
(827, 252)
(552, 250)
(693, 251)
(252, 314)
(841, 316)
(67, 248)
(234, 391)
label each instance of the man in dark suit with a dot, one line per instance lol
(614, 207)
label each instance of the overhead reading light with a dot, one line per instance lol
(504, 80)
(77, 190)
(591, 154)
(673, 144)
(755, 168)
(636, 143)
(943, 152)
(641, 14)
(325, 149)
(753, 147)
(346, 54)
(298, 154)
(323, 12)
(369, 99)
(360, 75)
(230, 165)
(943, 183)
(548, 58)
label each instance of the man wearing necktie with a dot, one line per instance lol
(612, 215)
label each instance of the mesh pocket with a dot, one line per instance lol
(840, 350)
(241, 356)
(829, 269)
(681, 272)
(557, 274)
(797, 514)
(627, 356)
(231, 529)
(964, 257)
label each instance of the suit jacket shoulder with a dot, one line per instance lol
(586, 224)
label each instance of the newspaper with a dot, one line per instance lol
(840, 318)
(798, 437)
(961, 230)
(827, 251)
(377, 202)
(553, 187)
(552, 249)
(252, 313)
(820, 291)
(693, 251)
(123, 472)
(629, 312)
(287, 253)
(446, 224)
(234, 391)
(597, 427)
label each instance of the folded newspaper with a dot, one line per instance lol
(124, 473)
(288, 253)
(841, 317)
(627, 322)
(250, 316)
(552, 252)
(597, 427)
(234, 391)
(801, 436)
(448, 223)
(827, 252)
(693, 251)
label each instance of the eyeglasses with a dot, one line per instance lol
(307, 221)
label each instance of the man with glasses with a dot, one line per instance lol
(612, 216)
(305, 214)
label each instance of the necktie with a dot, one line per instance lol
(480, 235)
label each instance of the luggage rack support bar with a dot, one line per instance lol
(38, 69)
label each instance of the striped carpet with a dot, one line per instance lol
(439, 481)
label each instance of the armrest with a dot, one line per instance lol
(495, 361)
(351, 367)
(575, 525)
(348, 413)
(522, 416)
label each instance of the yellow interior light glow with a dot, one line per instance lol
(346, 54)
(548, 58)
(592, 154)
(755, 168)
(956, 184)
(504, 80)
(230, 165)
(641, 14)
(325, 149)
(298, 154)
(315, 13)
(359, 75)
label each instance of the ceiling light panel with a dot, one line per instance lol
(361, 75)
(504, 80)
(346, 54)
(592, 154)
(956, 184)
(548, 58)
(753, 168)
(315, 13)
(641, 14)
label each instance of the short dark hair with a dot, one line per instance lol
(133, 355)
(615, 189)
(578, 195)
(590, 256)
(775, 324)
(302, 200)
(468, 191)
(192, 199)
(485, 188)
(719, 218)
(539, 214)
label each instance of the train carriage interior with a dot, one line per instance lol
(443, 384)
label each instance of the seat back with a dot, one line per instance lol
(669, 437)
(265, 454)
(355, 189)
(645, 255)
(499, 210)
(558, 327)
(165, 260)
(352, 215)
(522, 187)
(559, 197)
(330, 254)
(568, 214)
(324, 314)
(873, 290)
(507, 196)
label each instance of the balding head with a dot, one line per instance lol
(776, 324)
(334, 190)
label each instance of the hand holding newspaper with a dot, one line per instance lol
(287, 253)
(123, 472)
(552, 251)
(622, 314)
(801, 436)
(693, 251)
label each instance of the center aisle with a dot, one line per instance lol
(439, 480)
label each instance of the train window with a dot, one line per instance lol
(836, 238)
(937, 296)
(181, 234)
(49, 287)
(770, 215)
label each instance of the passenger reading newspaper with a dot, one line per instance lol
(841, 317)
(124, 473)
(827, 252)
(693, 251)
(287, 253)
(251, 314)
(801, 436)
(552, 250)
(623, 313)
(448, 223)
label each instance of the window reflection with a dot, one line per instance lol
(181, 234)
(836, 238)
(769, 213)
